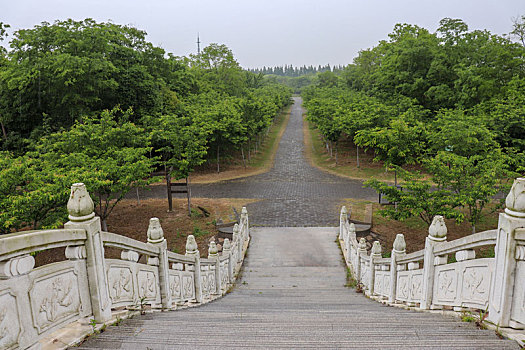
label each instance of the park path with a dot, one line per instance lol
(292, 193)
(292, 295)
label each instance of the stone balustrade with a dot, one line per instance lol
(36, 302)
(448, 274)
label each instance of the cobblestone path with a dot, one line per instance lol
(292, 296)
(292, 193)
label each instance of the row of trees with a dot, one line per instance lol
(96, 103)
(451, 101)
(291, 71)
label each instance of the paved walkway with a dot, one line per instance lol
(293, 192)
(292, 295)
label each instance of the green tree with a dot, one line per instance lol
(109, 154)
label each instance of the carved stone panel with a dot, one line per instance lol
(409, 285)
(175, 286)
(188, 288)
(211, 282)
(9, 321)
(147, 282)
(382, 283)
(446, 286)
(54, 299)
(121, 285)
(465, 283)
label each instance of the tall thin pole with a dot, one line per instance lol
(198, 44)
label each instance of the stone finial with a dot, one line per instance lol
(244, 211)
(362, 244)
(155, 232)
(212, 250)
(344, 211)
(226, 246)
(351, 228)
(515, 202)
(236, 232)
(399, 244)
(376, 249)
(80, 206)
(191, 246)
(437, 230)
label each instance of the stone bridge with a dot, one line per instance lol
(287, 292)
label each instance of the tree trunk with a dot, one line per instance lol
(249, 151)
(4, 132)
(331, 150)
(357, 156)
(168, 188)
(243, 160)
(188, 194)
(473, 229)
(395, 177)
(336, 153)
(218, 166)
(138, 196)
(104, 225)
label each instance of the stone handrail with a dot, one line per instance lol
(491, 284)
(89, 288)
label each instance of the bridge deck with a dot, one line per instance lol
(292, 295)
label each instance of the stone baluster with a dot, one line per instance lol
(82, 216)
(361, 250)
(504, 277)
(350, 236)
(342, 221)
(156, 238)
(398, 251)
(437, 233)
(193, 251)
(374, 254)
(227, 250)
(238, 240)
(213, 254)
(244, 218)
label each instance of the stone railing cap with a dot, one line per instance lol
(80, 205)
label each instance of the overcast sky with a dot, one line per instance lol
(269, 32)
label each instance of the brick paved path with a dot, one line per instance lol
(293, 192)
(292, 295)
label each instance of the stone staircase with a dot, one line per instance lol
(292, 294)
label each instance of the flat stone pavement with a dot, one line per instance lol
(292, 193)
(292, 295)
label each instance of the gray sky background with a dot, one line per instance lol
(270, 32)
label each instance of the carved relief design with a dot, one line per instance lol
(187, 285)
(9, 322)
(175, 287)
(446, 288)
(402, 287)
(204, 283)
(520, 252)
(475, 287)
(224, 276)
(121, 284)
(211, 282)
(147, 284)
(416, 285)
(55, 299)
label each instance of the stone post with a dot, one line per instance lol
(240, 243)
(361, 249)
(350, 236)
(156, 238)
(213, 254)
(374, 254)
(193, 251)
(244, 218)
(398, 251)
(437, 232)
(82, 216)
(342, 221)
(227, 250)
(504, 277)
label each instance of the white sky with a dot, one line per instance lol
(269, 32)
